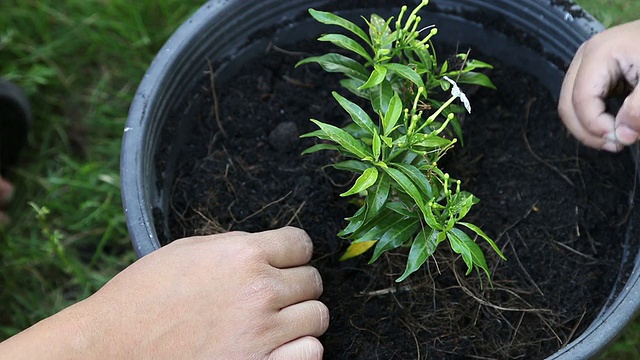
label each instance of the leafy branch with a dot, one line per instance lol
(407, 199)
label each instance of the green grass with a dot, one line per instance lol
(612, 12)
(80, 62)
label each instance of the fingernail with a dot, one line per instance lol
(612, 146)
(626, 135)
(611, 137)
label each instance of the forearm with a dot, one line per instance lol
(227, 296)
(64, 335)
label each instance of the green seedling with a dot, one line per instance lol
(395, 145)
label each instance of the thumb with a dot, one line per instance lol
(627, 122)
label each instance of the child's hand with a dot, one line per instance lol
(597, 68)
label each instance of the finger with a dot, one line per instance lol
(304, 348)
(299, 284)
(565, 102)
(286, 247)
(567, 108)
(309, 318)
(628, 119)
(595, 77)
(572, 112)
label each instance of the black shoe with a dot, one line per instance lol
(15, 119)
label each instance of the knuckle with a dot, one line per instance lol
(300, 239)
(299, 234)
(249, 252)
(262, 290)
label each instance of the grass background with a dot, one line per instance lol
(80, 62)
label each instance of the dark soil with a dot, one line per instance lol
(558, 211)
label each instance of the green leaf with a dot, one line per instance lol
(346, 43)
(418, 178)
(351, 165)
(357, 132)
(400, 208)
(431, 219)
(427, 60)
(332, 19)
(405, 72)
(460, 204)
(376, 227)
(355, 222)
(363, 182)
(424, 245)
(406, 185)
(471, 253)
(337, 63)
(387, 140)
(476, 78)
(394, 237)
(376, 145)
(379, 29)
(319, 147)
(356, 249)
(444, 68)
(381, 97)
(430, 140)
(352, 85)
(358, 115)
(409, 158)
(392, 115)
(344, 139)
(318, 133)
(377, 199)
(377, 76)
(478, 231)
(444, 85)
(472, 64)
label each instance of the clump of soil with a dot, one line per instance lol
(558, 211)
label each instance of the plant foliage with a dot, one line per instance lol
(407, 199)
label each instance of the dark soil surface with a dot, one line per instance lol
(558, 211)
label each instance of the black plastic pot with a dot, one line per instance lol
(234, 31)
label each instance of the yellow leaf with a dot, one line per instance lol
(357, 249)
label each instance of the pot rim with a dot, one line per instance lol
(171, 63)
